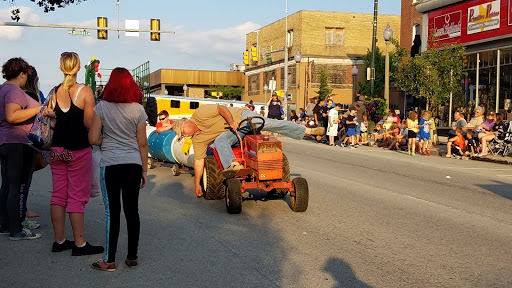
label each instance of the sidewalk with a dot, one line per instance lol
(440, 150)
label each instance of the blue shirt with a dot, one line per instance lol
(425, 130)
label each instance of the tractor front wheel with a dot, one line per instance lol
(299, 199)
(233, 196)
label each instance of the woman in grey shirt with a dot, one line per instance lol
(124, 157)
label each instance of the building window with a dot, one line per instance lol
(289, 38)
(254, 81)
(416, 30)
(334, 36)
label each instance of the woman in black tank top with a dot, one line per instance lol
(71, 158)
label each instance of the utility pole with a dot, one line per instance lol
(285, 100)
(374, 40)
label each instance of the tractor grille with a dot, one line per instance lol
(270, 165)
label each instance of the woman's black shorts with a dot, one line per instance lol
(412, 134)
(278, 117)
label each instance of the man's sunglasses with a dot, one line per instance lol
(161, 119)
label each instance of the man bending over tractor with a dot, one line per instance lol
(211, 123)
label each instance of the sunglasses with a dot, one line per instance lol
(161, 119)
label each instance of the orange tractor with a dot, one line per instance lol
(265, 167)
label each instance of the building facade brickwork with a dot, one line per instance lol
(334, 41)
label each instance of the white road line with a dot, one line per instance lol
(504, 175)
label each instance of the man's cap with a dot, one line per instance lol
(274, 94)
(361, 98)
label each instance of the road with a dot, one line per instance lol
(375, 219)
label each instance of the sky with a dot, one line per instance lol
(209, 35)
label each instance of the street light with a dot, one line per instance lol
(265, 88)
(354, 80)
(297, 59)
(388, 34)
(185, 88)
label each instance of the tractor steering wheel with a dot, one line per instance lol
(256, 128)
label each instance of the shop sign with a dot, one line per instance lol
(509, 12)
(448, 25)
(484, 17)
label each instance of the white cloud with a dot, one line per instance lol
(223, 44)
(15, 33)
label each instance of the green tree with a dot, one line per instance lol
(324, 89)
(434, 74)
(228, 92)
(380, 71)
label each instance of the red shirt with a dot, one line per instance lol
(460, 141)
(160, 124)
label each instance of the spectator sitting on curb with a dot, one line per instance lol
(472, 146)
(378, 134)
(400, 139)
(457, 144)
(476, 121)
(459, 121)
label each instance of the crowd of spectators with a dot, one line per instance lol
(349, 127)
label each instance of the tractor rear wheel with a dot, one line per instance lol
(281, 192)
(233, 196)
(212, 179)
(299, 199)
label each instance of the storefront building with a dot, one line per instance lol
(485, 28)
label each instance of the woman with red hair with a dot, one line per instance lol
(119, 128)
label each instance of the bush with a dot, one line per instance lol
(375, 108)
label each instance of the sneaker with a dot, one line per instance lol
(428, 152)
(352, 147)
(131, 263)
(231, 171)
(88, 249)
(25, 234)
(409, 152)
(30, 224)
(413, 154)
(104, 266)
(341, 145)
(56, 247)
(4, 231)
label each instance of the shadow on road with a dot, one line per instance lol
(343, 274)
(499, 188)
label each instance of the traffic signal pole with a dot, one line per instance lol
(17, 24)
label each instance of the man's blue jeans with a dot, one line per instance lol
(227, 139)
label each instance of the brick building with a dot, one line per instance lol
(410, 24)
(484, 28)
(334, 41)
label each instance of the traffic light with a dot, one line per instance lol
(254, 54)
(155, 25)
(96, 66)
(246, 57)
(102, 23)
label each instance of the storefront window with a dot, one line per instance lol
(488, 69)
(469, 80)
(505, 79)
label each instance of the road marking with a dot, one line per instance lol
(504, 175)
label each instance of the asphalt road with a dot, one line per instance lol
(375, 219)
